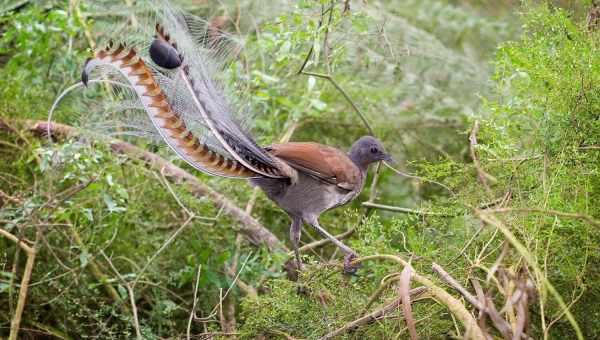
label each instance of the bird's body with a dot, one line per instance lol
(327, 178)
(307, 197)
(178, 92)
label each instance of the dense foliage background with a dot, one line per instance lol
(490, 109)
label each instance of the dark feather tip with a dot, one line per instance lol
(84, 73)
(164, 55)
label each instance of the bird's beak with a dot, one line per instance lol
(389, 159)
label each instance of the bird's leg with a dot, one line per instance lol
(295, 233)
(350, 254)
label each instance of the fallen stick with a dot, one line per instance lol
(472, 330)
(252, 229)
(457, 286)
(31, 251)
(373, 316)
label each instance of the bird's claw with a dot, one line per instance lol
(349, 267)
(302, 290)
(292, 270)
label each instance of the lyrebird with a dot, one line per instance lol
(175, 83)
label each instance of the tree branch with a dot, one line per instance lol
(346, 96)
(252, 229)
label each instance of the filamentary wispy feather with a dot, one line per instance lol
(204, 116)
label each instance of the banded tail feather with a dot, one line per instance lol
(212, 108)
(169, 124)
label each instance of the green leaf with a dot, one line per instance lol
(84, 257)
(111, 205)
(318, 104)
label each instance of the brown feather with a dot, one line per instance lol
(327, 163)
(172, 125)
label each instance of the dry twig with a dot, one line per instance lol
(481, 174)
(583, 217)
(31, 252)
(457, 286)
(360, 114)
(136, 321)
(419, 178)
(195, 301)
(96, 272)
(405, 297)
(456, 307)
(404, 210)
(373, 316)
(385, 282)
(490, 219)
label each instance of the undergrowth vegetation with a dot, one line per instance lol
(492, 117)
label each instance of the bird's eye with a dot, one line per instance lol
(374, 150)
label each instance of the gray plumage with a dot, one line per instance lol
(305, 200)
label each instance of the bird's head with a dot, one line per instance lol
(367, 150)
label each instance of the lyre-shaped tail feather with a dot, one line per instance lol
(167, 122)
(211, 106)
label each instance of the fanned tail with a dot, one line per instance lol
(167, 122)
(211, 105)
(174, 80)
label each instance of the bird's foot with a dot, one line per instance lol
(293, 269)
(349, 267)
(302, 290)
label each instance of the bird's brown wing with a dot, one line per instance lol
(321, 161)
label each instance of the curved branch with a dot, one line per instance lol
(373, 316)
(472, 329)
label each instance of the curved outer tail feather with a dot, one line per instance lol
(202, 91)
(167, 122)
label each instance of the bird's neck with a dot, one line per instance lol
(358, 161)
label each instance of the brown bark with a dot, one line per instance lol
(250, 227)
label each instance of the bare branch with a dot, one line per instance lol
(385, 282)
(490, 219)
(457, 286)
(405, 297)
(20, 242)
(360, 114)
(583, 217)
(373, 316)
(96, 272)
(456, 307)
(15, 323)
(481, 174)
(252, 229)
(162, 247)
(422, 179)
(136, 321)
(404, 210)
(193, 311)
